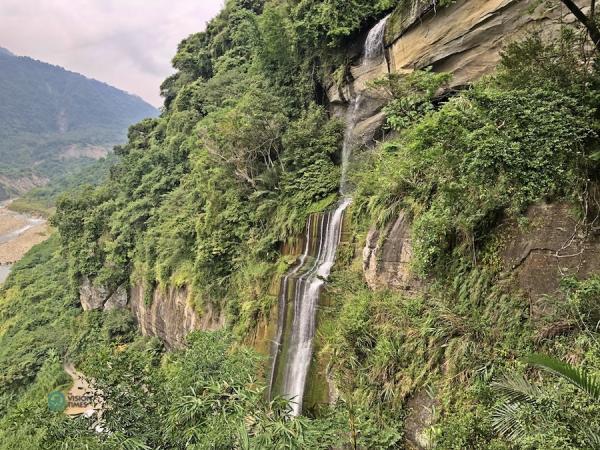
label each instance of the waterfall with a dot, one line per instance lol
(283, 296)
(351, 119)
(374, 45)
(300, 287)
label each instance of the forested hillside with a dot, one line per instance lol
(52, 120)
(462, 308)
(42, 200)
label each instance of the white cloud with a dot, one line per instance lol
(126, 43)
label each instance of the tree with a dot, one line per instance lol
(247, 137)
(587, 21)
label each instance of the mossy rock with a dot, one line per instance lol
(404, 16)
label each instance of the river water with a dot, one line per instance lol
(18, 233)
(4, 271)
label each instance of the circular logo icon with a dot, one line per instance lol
(57, 401)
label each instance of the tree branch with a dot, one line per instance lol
(586, 21)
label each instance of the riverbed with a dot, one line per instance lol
(18, 233)
(4, 271)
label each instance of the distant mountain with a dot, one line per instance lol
(53, 121)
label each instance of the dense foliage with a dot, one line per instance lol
(244, 150)
(42, 200)
(206, 396)
(486, 153)
(457, 169)
(242, 153)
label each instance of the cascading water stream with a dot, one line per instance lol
(375, 44)
(300, 288)
(351, 119)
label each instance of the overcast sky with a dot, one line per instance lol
(126, 43)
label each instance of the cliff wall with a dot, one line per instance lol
(466, 39)
(169, 316)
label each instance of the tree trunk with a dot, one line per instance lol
(588, 22)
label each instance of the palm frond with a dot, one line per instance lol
(506, 420)
(592, 438)
(516, 388)
(579, 377)
(517, 393)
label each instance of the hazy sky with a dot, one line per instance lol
(126, 43)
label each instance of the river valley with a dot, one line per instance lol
(18, 233)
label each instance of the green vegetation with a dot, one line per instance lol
(206, 195)
(457, 170)
(37, 311)
(524, 412)
(203, 195)
(43, 200)
(205, 396)
(521, 137)
(230, 170)
(53, 122)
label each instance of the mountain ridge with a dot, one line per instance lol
(53, 120)
(4, 52)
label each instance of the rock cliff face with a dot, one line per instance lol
(169, 316)
(387, 255)
(553, 244)
(94, 297)
(465, 39)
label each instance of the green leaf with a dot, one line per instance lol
(577, 376)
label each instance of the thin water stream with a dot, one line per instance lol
(4, 272)
(300, 288)
(31, 222)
